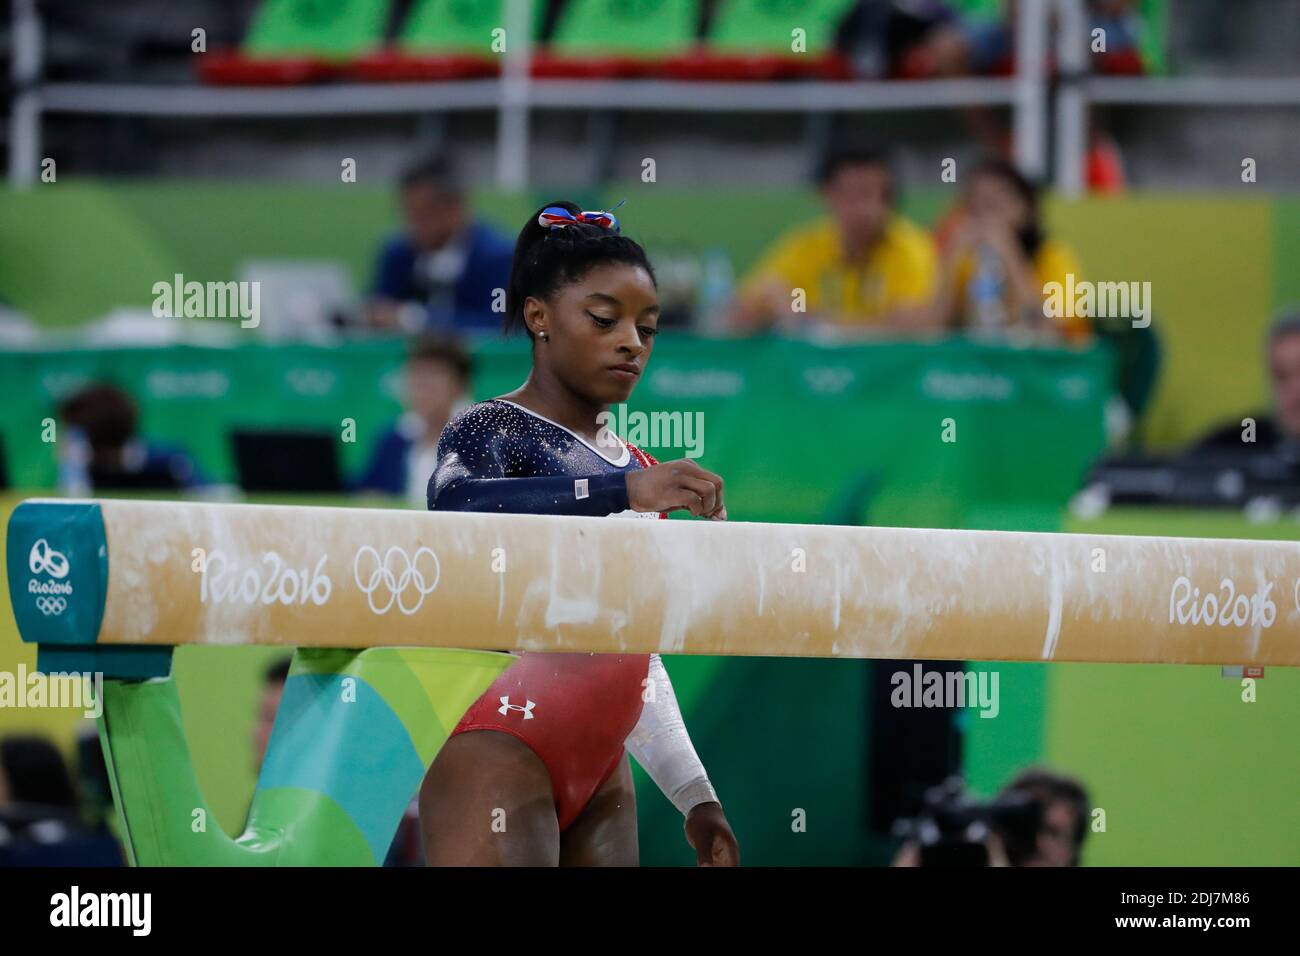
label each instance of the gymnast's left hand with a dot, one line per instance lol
(709, 833)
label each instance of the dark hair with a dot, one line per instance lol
(839, 157)
(1286, 323)
(546, 259)
(277, 672)
(35, 772)
(436, 171)
(441, 348)
(1048, 787)
(1031, 237)
(106, 414)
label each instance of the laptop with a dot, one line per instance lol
(303, 461)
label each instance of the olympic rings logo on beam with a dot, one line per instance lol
(395, 576)
(45, 560)
(51, 605)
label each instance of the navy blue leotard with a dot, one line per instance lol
(497, 456)
(574, 711)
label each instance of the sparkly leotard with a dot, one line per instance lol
(573, 710)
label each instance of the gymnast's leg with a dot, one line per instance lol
(605, 832)
(487, 801)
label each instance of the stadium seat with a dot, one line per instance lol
(617, 38)
(298, 41)
(440, 40)
(753, 40)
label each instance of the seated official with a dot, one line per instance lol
(41, 819)
(101, 450)
(864, 267)
(443, 272)
(998, 261)
(1274, 434)
(435, 384)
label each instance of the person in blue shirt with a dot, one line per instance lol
(435, 383)
(101, 448)
(445, 271)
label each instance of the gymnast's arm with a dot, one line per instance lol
(663, 748)
(471, 476)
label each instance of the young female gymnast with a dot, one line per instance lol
(535, 773)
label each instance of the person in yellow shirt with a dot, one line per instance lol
(998, 263)
(862, 267)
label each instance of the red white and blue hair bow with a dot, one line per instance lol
(557, 217)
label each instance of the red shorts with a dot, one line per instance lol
(573, 710)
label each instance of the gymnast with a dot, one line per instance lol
(536, 773)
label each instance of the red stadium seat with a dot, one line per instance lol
(755, 39)
(617, 39)
(298, 41)
(440, 40)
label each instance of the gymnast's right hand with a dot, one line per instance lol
(674, 486)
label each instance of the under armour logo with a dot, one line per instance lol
(506, 707)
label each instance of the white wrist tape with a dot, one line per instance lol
(663, 748)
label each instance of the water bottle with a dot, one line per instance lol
(987, 290)
(715, 290)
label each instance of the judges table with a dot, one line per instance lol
(890, 432)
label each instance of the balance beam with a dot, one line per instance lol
(112, 581)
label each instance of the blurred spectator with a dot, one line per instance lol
(272, 690)
(862, 266)
(33, 774)
(951, 46)
(40, 819)
(1276, 433)
(897, 37)
(435, 382)
(1064, 822)
(444, 270)
(997, 259)
(101, 450)
(961, 46)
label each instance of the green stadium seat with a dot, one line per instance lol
(617, 38)
(440, 40)
(753, 40)
(299, 41)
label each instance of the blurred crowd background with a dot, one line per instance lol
(859, 237)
